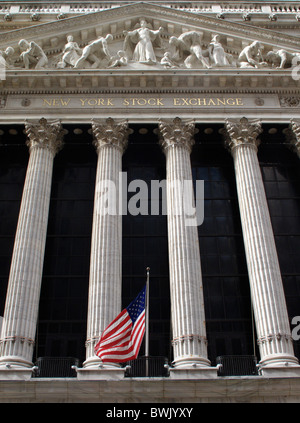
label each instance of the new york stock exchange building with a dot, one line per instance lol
(147, 96)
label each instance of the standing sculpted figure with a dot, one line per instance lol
(142, 38)
(217, 53)
(71, 53)
(188, 48)
(251, 56)
(95, 52)
(32, 53)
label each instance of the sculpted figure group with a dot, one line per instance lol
(143, 45)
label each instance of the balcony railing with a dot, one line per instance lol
(147, 367)
(237, 365)
(63, 367)
(56, 367)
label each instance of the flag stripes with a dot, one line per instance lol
(121, 340)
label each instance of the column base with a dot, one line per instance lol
(279, 365)
(191, 361)
(193, 367)
(15, 374)
(100, 373)
(276, 371)
(14, 368)
(11, 371)
(197, 372)
(94, 369)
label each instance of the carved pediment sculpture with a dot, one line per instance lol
(32, 55)
(252, 56)
(143, 36)
(139, 43)
(6, 57)
(217, 54)
(71, 53)
(185, 51)
(95, 52)
(281, 59)
(188, 50)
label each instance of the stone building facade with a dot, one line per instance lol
(135, 94)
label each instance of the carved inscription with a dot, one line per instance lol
(142, 102)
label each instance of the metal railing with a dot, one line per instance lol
(55, 367)
(147, 367)
(237, 365)
(228, 365)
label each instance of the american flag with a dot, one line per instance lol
(121, 340)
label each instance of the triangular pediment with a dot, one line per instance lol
(90, 25)
(175, 37)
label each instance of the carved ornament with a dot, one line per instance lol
(176, 133)
(44, 134)
(242, 132)
(111, 133)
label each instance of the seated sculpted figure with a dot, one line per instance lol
(95, 52)
(6, 57)
(71, 53)
(32, 54)
(140, 41)
(282, 59)
(251, 56)
(167, 61)
(118, 60)
(188, 48)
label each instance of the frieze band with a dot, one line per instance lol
(150, 101)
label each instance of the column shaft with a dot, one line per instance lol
(293, 135)
(271, 318)
(187, 304)
(105, 286)
(22, 301)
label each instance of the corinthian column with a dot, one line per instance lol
(22, 300)
(105, 284)
(271, 317)
(187, 304)
(293, 135)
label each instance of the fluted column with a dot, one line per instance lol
(22, 300)
(294, 135)
(270, 311)
(187, 304)
(105, 284)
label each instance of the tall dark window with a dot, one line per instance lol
(145, 241)
(63, 303)
(13, 164)
(225, 277)
(281, 173)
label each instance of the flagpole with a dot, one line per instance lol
(147, 323)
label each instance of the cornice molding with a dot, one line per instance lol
(74, 81)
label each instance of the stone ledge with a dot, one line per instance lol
(242, 389)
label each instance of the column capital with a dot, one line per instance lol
(111, 133)
(176, 133)
(241, 132)
(293, 135)
(45, 134)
